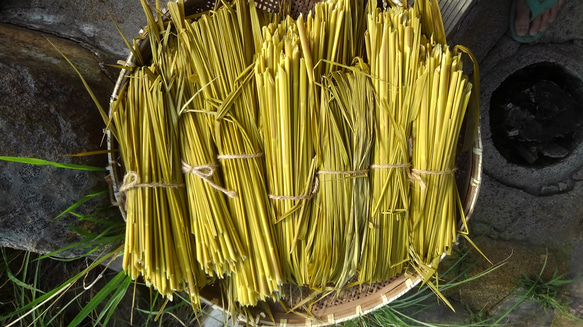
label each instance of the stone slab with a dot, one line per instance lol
(46, 113)
(86, 22)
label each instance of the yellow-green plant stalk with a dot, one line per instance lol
(435, 203)
(159, 244)
(218, 247)
(340, 213)
(336, 33)
(284, 96)
(221, 49)
(332, 36)
(392, 44)
(431, 20)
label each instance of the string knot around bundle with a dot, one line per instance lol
(416, 175)
(240, 156)
(205, 172)
(298, 197)
(316, 186)
(391, 166)
(344, 172)
(132, 180)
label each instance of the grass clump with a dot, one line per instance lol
(547, 291)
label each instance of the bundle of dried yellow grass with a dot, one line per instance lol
(341, 211)
(159, 245)
(435, 203)
(284, 98)
(392, 44)
(255, 153)
(221, 49)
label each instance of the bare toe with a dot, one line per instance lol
(535, 27)
(522, 20)
(555, 10)
(545, 20)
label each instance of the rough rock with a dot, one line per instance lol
(496, 293)
(46, 113)
(86, 22)
(526, 209)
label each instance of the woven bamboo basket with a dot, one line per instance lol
(351, 302)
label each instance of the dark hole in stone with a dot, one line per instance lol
(535, 115)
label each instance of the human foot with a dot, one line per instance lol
(544, 12)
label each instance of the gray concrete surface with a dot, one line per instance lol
(510, 217)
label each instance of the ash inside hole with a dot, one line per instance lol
(535, 115)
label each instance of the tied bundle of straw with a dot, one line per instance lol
(255, 114)
(220, 47)
(284, 97)
(331, 38)
(159, 245)
(340, 214)
(219, 248)
(435, 203)
(218, 244)
(392, 45)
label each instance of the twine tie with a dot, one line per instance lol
(132, 180)
(205, 172)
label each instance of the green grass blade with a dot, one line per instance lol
(103, 113)
(104, 222)
(15, 279)
(76, 245)
(81, 231)
(41, 162)
(97, 243)
(27, 309)
(115, 299)
(183, 301)
(98, 298)
(81, 201)
(58, 314)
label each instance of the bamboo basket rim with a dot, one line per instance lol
(367, 299)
